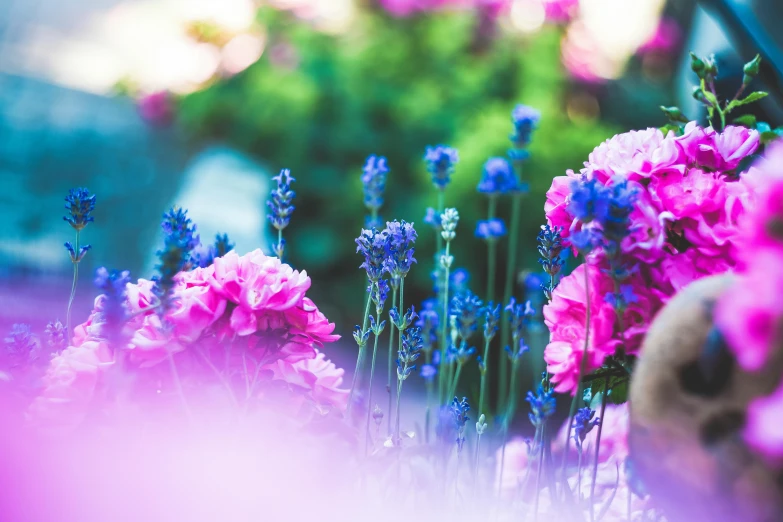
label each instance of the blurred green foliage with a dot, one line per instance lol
(391, 87)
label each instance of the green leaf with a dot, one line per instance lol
(674, 114)
(750, 98)
(677, 129)
(769, 136)
(746, 120)
(619, 392)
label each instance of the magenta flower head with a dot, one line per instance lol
(498, 178)
(440, 163)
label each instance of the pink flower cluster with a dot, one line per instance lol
(684, 226)
(750, 312)
(250, 307)
(404, 8)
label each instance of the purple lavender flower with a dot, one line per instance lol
(466, 307)
(401, 238)
(21, 346)
(490, 229)
(55, 331)
(432, 218)
(76, 257)
(180, 239)
(113, 285)
(428, 372)
(428, 322)
(409, 352)
(374, 183)
(584, 422)
(373, 245)
(459, 412)
(440, 163)
(279, 203)
(525, 120)
(542, 405)
(79, 204)
(498, 178)
(491, 313)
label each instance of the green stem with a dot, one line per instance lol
(597, 449)
(389, 373)
(73, 290)
(455, 380)
(538, 471)
(369, 393)
(511, 405)
(444, 345)
(511, 262)
(359, 358)
(579, 476)
(476, 466)
(399, 380)
(483, 387)
(397, 439)
(582, 368)
(491, 253)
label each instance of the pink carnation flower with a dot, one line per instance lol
(614, 435)
(635, 155)
(69, 385)
(718, 151)
(565, 317)
(318, 378)
(763, 430)
(236, 297)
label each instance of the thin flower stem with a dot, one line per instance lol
(399, 380)
(538, 472)
(178, 387)
(476, 466)
(389, 373)
(491, 253)
(442, 382)
(511, 263)
(579, 475)
(510, 405)
(73, 290)
(369, 393)
(483, 387)
(582, 367)
(597, 449)
(280, 243)
(455, 380)
(359, 359)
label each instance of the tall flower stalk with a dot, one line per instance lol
(524, 119)
(520, 315)
(395, 284)
(179, 242)
(374, 176)
(410, 349)
(80, 204)
(465, 309)
(542, 407)
(491, 319)
(373, 246)
(449, 219)
(440, 161)
(379, 291)
(280, 208)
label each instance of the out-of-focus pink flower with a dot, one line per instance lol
(565, 316)
(763, 430)
(318, 378)
(718, 151)
(614, 436)
(665, 38)
(69, 385)
(764, 226)
(157, 108)
(556, 204)
(515, 467)
(560, 11)
(750, 312)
